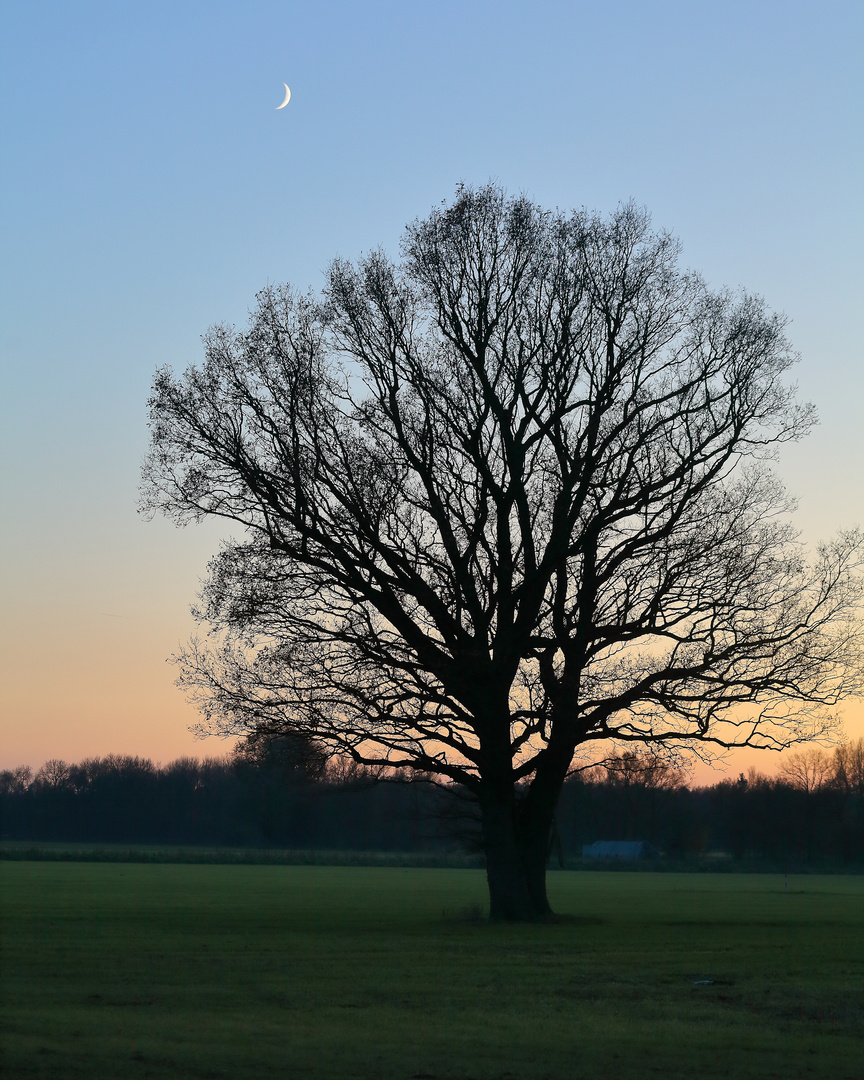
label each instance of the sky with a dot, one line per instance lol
(150, 187)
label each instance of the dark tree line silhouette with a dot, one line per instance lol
(290, 795)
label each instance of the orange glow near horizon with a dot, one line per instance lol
(86, 678)
(85, 646)
(106, 687)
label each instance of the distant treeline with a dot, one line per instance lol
(288, 794)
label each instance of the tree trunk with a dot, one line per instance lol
(516, 846)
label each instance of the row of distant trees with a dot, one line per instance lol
(288, 793)
(811, 812)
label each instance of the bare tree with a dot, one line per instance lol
(848, 767)
(54, 773)
(808, 770)
(16, 781)
(645, 782)
(647, 769)
(297, 756)
(500, 500)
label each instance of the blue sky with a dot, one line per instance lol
(150, 187)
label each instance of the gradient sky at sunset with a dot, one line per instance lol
(150, 187)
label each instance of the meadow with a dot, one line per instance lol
(146, 970)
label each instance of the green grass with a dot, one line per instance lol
(64, 851)
(133, 970)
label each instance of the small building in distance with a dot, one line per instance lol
(620, 849)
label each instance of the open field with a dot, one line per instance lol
(714, 862)
(135, 970)
(59, 851)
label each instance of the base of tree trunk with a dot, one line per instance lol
(516, 875)
(513, 903)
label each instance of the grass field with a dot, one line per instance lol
(133, 970)
(59, 851)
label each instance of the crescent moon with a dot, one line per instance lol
(287, 98)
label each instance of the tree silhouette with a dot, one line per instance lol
(808, 770)
(500, 500)
(848, 767)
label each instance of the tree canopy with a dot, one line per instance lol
(505, 497)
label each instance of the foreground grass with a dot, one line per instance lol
(113, 970)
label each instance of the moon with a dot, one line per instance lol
(287, 98)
